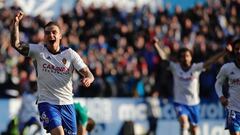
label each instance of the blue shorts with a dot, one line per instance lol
(233, 121)
(193, 112)
(53, 116)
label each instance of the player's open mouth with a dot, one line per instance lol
(52, 41)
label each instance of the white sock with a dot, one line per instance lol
(197, 131)
(184, 131)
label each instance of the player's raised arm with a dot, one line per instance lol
(88, 77)
(164, 55)
(215, 58)
(21, 47)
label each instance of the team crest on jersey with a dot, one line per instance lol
(64, 61)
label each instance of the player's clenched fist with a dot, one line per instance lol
(155, 41)
(86, 82)
(18, 17)
(224, 101)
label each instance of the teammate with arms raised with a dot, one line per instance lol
(54, 65)
(230, 72)
(186, 86)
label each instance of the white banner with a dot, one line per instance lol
(110, 113)
(46, 8)
(53, 8)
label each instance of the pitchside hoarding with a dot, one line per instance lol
(110, 113)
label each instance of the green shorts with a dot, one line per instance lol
(81, 114)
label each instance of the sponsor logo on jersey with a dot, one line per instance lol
(54, 69)
(183, 77)
(234, 81)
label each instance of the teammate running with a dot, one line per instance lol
(230, 72)
(186, 87)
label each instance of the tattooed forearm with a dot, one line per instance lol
(21, 47)
(86, 73)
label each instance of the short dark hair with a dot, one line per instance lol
(51, 23)
(183, 50)
(236, 41)
(90, 124)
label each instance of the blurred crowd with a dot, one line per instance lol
(117, 46)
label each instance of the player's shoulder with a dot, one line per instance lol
(68, 50)
(195, 64)
(228, 65)
(65, 49)
(38, 46)
(174, 64)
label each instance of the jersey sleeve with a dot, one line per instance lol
(77, 61)
(34, 50)
(172, 66)
(221, 77)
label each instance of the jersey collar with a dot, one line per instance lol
(62, 48)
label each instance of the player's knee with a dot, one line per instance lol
(194, 127)
(184, 125)
(57, 131)
(234, 133)
(184, 122)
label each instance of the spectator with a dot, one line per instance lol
(119, 42)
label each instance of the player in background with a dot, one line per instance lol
(153, 111)
(186, 86)
(54, 65)
(90, 125)
(84, 122)
(28, 113)
(230, 72)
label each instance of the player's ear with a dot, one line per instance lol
(60, 36)
(60, 32)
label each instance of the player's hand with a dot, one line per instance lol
(86, 82)
(156, 41)
(229, 48)
(224, 101)
(18, 17)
